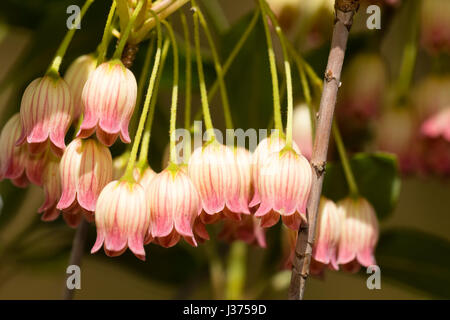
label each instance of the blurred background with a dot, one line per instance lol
(396, 84)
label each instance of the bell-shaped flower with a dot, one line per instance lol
(272, 144)
(46, 112)
(76, 76)
(174, 205)
(215, 174)
(328, 231)
(86, 168)
(109, 97)
(284, 185)
(122, 219)
(12, 158)
(359, 233)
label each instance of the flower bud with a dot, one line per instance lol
(86, 168)
(109, 97)
(46, 112)
(174, 205)
(51, 183)
(214, 172)
(12, 158)
(359, 233)
(302, 130)
(122, 219)
(329, 226)
(76, 77)
(284, 185)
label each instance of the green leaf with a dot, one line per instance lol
(377, 178)
(415, 259)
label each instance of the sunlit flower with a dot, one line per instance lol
(109, 97)
(214, 172)
(76, 77)
(46, 112)
(265, 148)
(359, 233)
(174, 205)
(284, 185)
(86, 168)
(122, 219)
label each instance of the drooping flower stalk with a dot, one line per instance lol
(102, 48)
(273, 71)
(128, 175)
(142, 82)
(353, 187)
(173, 108)
(56, 63)
(188, 71)
(218, 68)
(287, 68)
(229, 61)
(126, 33)
(201, 77)
(143, 154)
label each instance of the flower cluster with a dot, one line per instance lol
(346, 236)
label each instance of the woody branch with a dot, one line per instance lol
(344, 11)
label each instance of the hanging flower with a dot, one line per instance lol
(46, 112)
(12, 158)
(109, 97)
(122, 219)
(76, 76)
(265, 148)
(174, 205)
(359, 234)
(215, 174)
(86, 168)
(329, 226)
(284, 185)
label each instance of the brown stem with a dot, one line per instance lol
(344, 11)
(79, 242)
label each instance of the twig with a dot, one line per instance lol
(344, 11)
(76, 255)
